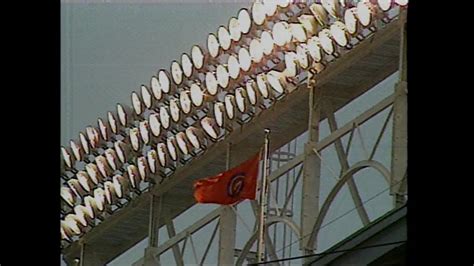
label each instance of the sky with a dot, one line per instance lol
(108, 50)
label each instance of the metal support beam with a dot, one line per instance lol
(311, 166)
(176, 252)
(399, 135)
(153, 231)
(88, 256)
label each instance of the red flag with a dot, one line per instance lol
(231, 186)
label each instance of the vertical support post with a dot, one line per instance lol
(262, 233)
(311, 168)
(399, 135)
(228, 222)
(88, 256)
(153, 230)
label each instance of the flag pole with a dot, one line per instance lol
(263, 200)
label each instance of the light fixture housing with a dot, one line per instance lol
(250, 90)
(182, 143)
(155, 125)
(234, 29)
(67, 158)
(103, 129)
(121, 150)
(211, 83)
(94, 173)
(156, 88)
(266, 42)
(219, 110)
(164, 117)
(152, 158)
(162, 154)
(210, 127)
(176, 73)
(187, 65)
(137, 104)
(185, 101)
(281, 33)
(174, 109)
(99, 196)
(109, 191)
(68, 196)
(314, 48)
(172, 146)
(213, 45)
(112, 158)
(84, 180)
(222, 76)
(245, 61)
(229, 102)
(112, 122)
(143, 169)
(194, 137)
(262, 85)
(240, 99)
(326, 41)
(197, 95)
(123, 114)
(224, 38)
(277, 81)
(234, 67)
(245, 21)
(135, 138)
(197, 56)
(93, 136)
(103, 166)
(144, 132)
(84, 142)
(339, 33)
(146, 96)
(76, 150)
(256, 50)
(164, 81)
(258, 13)
(133, 176)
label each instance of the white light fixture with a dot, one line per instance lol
(302, 56)
(297, 32)
(240, 96)
(185, 101)
(281, 33)
(103, 166)
(112, 122)
(266, 42)
(314, 48)
(277, 81)
(250, 89)
(197, 95)
(83, 179)
(133, 175)
(142, 167)
(245, 61)
(135, 138)
(350, 20)
(193, 134)
(319, 13)
(70, 224)
(161, 149)
(224, 38)
(211, 83)
(283, 3)
(245, 22)
(181, 141)
(112, 158)
(164, 81)
(120, 149)
(197, 57)
(187, 65)
(385, 5)
(339, 33)
(80, 216)
(258, 13)
(109, 190)
(119, 185)
(146, 96)
(164, 117)
(365, 11)
(93, 136)
(136, 103)
(104, 131)
(174, 109)
(290, 64)
(99, 196)
(93, 172)
(176, 73)
(270, 7)
(67, 158)
(144, 134)
(213, 45)
(229, 105)
(234, 67)
(262, 85)
(331, 7)
(219, 113)
(256, 50)
(209, 126)
(84, 142)
(326, 41)
(122, 115)
(68, 196)
(152, 158)
(402, 2)
(222, 76)
(234, 29)
(91, 205)
(155, 124)
(309, 23)
(76, 150)
(156, 88)
(76, 187)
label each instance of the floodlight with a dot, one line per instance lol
(76, 187)
(194, 137)
(68, 196)
(326, 41)
(112, 122)
(152, 158)
(262, 85)
(187, 65)
(250, 89)
(197, 95)
(245, 60)
(256, 50)
(229, 102)
(84, 142)
(234, 67)
(94, 174)
(234, 29)
(112, 158)
(339, 33)
(240, 96)
(197, 57)
(290, 64)
(283, 3)
(70, 224)
(185, 101)
(161, 149)
(155, 124)
(67, 158)
(99, 196)
(91, 204)
(174, 109)
(84, 181)
(182, 144)
(171, 145)
(104, 131)
(302, 56)
(64, 235)
(266, 41)
(350, 19)
(319, 13)
(277, 81)
(119, 185)
(210, 127)
(93, 136)
(281, 33)
(133, 175)
(164, 81)
(309, 23)
(365, 11)
(224, 38)
(270, 7)
(213, 45)
(211, 83)
(120, 149)
(142, 167)
(314, 48)
(401, 2)
(219, 113)
(146, 96)
(109, 191)
(331, 6)
(76, 150)
(156, 88)
(135, 138)
(298, 32)
(144, 134)
(103, 166)
(385, 5)
(245, 22)
(258, 13)
(176, 73)
(164, 117)
(137, 104)
(80, 216)
(122, 114)
(222, 76)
